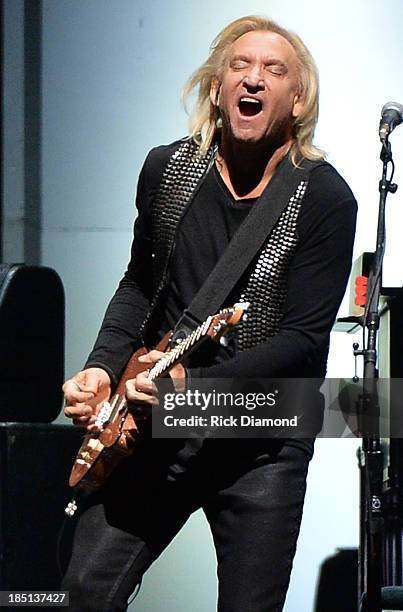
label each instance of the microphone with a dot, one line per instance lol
(391, 117)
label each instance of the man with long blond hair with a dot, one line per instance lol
(251, 130)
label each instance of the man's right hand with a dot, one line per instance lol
(85, 393)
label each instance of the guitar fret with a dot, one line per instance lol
(170, 361)
(192, 338)
(187, 342)
(206, 325)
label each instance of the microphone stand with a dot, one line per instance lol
(370, 455)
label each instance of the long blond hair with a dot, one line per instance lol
(204, 118)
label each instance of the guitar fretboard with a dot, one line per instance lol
(185, 346)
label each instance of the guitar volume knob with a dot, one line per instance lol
(71, 508)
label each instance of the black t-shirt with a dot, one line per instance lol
(209, 224)
(205, 231)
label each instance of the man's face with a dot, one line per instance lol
(258, 95)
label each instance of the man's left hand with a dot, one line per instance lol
(141, 389)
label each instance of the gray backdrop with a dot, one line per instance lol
(111, 81)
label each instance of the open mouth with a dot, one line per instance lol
(249, 107)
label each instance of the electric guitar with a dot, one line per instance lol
(120, 428)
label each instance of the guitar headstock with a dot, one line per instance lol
(225, 319)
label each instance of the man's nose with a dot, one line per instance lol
(254, 79)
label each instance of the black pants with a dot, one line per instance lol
(252, 495)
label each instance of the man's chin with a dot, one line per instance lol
(273, 139)
(247, 138)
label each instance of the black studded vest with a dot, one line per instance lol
(265, 288)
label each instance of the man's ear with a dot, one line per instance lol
(215, 91)
(298, 106)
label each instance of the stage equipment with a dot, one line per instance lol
(377, 581)
(391, 117)
(35, 461)
(35, 456)
(31, 343)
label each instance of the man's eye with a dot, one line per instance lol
(275, 69)
(238, 65)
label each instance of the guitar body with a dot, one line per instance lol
(100, 453)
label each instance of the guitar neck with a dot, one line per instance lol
(181, 350)
(213, 327)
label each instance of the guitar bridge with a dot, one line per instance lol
(105, 413)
